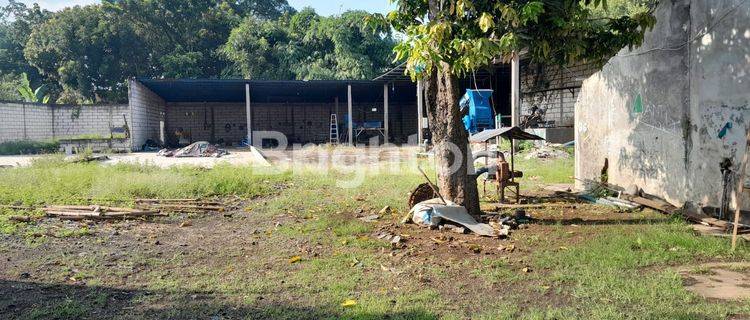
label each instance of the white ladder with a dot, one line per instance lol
(334, 136)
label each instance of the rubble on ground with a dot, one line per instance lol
(197, 149)
(547, 152)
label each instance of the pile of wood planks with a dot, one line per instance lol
(181, 205)
(94, 212)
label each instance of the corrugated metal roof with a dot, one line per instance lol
(233, 90)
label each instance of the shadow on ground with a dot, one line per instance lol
(30, 300)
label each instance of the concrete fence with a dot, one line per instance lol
(39, 122)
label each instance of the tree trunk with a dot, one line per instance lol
(456, 178)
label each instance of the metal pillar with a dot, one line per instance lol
(385, 113)
(420, 107)
(515, 90)
(350, 124)
(249, 115)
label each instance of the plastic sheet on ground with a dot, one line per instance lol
(433, 211)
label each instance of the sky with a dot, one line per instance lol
(323, 7)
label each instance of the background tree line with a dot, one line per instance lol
(86, 54)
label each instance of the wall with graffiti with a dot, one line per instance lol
(668, 115)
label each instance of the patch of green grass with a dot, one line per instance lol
(625, 272)
(69, 308)
(29, 147)
(51, 180)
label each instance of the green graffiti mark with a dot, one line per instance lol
(638, 104)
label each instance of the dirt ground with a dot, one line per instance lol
(116, 266)
(303, 251)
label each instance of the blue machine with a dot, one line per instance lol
(479, 117)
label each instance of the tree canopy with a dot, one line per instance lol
(85, 54)
(469, 34)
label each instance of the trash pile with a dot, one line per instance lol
(195, 150)
(547, 152)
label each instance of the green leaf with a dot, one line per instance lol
(485, 22)
(531, 11)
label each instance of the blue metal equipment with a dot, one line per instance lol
(479, 116)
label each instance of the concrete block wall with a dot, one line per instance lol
(207, 121)
(300, 122)
(147, 111)
(76, 121)
(665, 115)
(25, 121)
(40, 122)
(554, 89)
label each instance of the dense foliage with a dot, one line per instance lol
(468, 34)
(86, 54)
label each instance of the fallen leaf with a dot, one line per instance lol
(295, 259)
(349, 303)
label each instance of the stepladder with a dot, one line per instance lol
(334, 130)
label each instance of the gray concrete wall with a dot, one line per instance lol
(691, 75)
(147, 111)
(39, 122)
(554, 89)
(96, 120)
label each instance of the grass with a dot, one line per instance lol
(607, 271)
(28, 147)
(51, 180)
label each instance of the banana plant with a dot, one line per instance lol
(30, 95)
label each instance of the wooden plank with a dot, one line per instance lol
(538, 205)
(737, 195)
(662, 206)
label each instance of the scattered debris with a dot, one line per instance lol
(452, 228)
(547, 152)
(181, 205)
(94, 212)
(197, 149)
(564, 205)
(385, 210)
(20, 218)
(430, 213)
(186, 223)
(370, 218)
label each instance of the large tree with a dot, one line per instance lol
(307, 46)
(444, 39)
(18, 21)
(88, 54)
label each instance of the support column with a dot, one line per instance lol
(249, 115)
(350, 123)
(420, 107)
(515, 90)
(385, 113)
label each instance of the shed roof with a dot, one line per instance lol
(233, 90)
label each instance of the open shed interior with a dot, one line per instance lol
(178, 112)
